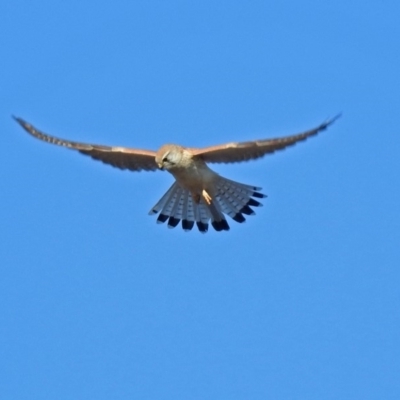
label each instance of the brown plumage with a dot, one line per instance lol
(199, 194)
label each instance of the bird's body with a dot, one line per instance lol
(192, 173)
(199, 194)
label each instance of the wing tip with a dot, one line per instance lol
(330, 121)
(19, 120)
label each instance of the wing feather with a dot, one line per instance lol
(120, 157)
(244, 151)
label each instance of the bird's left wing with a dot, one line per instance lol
(244, 151)
(120, 157)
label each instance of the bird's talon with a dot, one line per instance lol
(206, 197)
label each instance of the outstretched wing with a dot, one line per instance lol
(244, 151)
(120, 157)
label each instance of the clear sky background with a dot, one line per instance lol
(302, 301)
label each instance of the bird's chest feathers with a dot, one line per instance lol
(194, 176)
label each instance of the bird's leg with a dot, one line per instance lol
(206, 197)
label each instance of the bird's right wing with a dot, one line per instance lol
(244, 151)
(120, 157)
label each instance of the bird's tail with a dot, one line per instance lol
(229, 197)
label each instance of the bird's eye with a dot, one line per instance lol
(165, 159)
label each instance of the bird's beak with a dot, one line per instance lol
(160, 166)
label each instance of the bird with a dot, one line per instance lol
(198, 195)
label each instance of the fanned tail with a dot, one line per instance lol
(177, 205)
(236, 199)
(231, 198)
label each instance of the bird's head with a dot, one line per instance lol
(169, 156)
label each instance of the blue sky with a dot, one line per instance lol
(302, 301)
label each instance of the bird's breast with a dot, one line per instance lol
(194, 175)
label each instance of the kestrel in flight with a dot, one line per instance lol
(198, 194)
